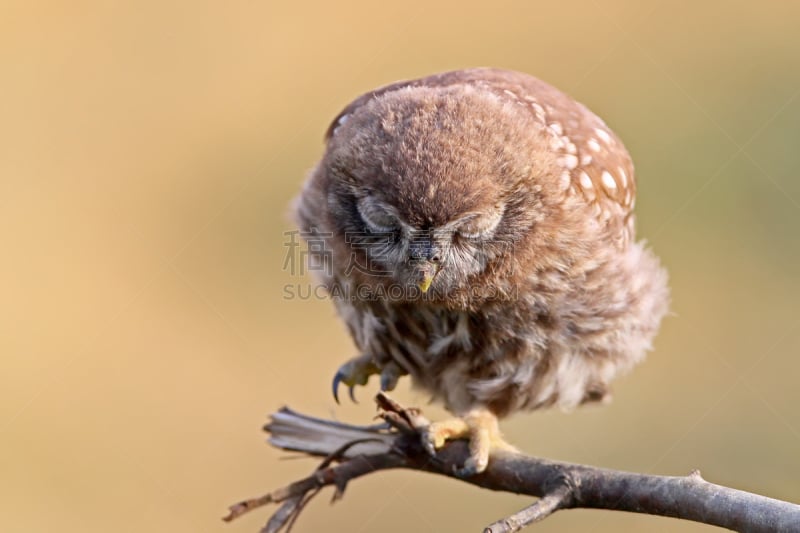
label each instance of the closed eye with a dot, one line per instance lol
(481, 225)
(376, 218)
(471, 231)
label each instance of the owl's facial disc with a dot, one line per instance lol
(420, 253)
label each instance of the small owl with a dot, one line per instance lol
(480, 234)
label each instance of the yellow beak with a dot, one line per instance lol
(425, 283)
(427, 271)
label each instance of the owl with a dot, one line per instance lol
(479, 230)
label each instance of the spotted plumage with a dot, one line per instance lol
(481, 234)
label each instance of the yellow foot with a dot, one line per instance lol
(480, 427)
(357, 371)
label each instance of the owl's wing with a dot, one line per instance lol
(595, 164)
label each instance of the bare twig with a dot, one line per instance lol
(551, 502)
(350, 452)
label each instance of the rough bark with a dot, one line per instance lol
(353, 451)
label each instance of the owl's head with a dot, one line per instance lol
(431, 189)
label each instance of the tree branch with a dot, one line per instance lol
(351, 451)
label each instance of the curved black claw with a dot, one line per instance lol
(390, 375)
(387, 383)
(337, 380)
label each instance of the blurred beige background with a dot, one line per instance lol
(148, 151)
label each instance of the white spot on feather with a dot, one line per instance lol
(565, 180)
(570, 161)
(509, 93)
(586, 181)
(608, 180)
(556, 143)
(593, 144)
(603, 134)
(623, 178)
(538, 111)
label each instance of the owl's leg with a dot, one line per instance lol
(357, 371)
(480, 427)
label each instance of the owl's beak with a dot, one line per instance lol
(426, 271)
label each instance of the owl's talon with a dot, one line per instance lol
(428, 442)
(338, 379)
(354, 372)
(390, 375)
(479, 426)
